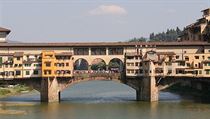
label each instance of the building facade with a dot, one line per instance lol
(198, 31)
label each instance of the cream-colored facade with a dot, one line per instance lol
(200, 30)
(189, 61)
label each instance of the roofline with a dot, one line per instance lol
(205, 9)
(104, 44)
(5, 30)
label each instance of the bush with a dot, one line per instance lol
(4, 91)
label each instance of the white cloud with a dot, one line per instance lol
(108, 10)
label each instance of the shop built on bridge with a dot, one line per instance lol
(148, 67)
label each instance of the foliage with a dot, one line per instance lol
(141, 39)
(98, 66)
(168, 36)
(4, 91)
(114, 64)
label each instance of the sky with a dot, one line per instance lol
(95, 20)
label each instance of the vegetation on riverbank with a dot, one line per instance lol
(13, 90)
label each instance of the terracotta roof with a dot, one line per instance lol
(6, 54)
(18, 54)
(103, 44)
(4, 30)
(166, 53)
(64, 54)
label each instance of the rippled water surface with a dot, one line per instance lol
(102, 100)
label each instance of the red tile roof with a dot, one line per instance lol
(104, 44)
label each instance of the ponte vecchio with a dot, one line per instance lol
(147, 67)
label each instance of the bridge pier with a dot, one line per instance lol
(148, 91)
(49, 90)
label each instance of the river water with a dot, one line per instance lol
(102, 100)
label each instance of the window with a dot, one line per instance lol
(37, 65)
(27, 65)
(177, 57)
(98, 51)
(169, 71)
(128, 64)
(27, 72)
(48, 64)
(115, 51)
(140, 64)
(200, 72)
(208, 71)
(196, 57)
(18, 58)
(132, 71)
(36, 72)
(136, 58)
(140, 71)
(67, 64)
(18, 72)
(68, 72)
(15, 65)
(136, 64)
(186, 58)
(46, 72)
(81, 51)
(196, 65)
(130, 57)
(136, 71)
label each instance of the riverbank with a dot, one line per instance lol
(189, 92)
(13, 90)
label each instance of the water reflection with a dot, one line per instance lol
(103, 100)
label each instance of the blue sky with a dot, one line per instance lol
(95, 20)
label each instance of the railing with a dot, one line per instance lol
(95, 75)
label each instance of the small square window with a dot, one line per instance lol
(27, 72)
(18, 72)
(18, 58)
(36, 72)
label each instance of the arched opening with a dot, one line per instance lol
(81, 64)
(116, 65)
(98, 64)
(98, 92)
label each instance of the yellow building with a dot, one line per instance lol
(57, 64)
(48, 61)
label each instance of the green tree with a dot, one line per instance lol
(141, 39)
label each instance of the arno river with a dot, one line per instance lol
(102, 100)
